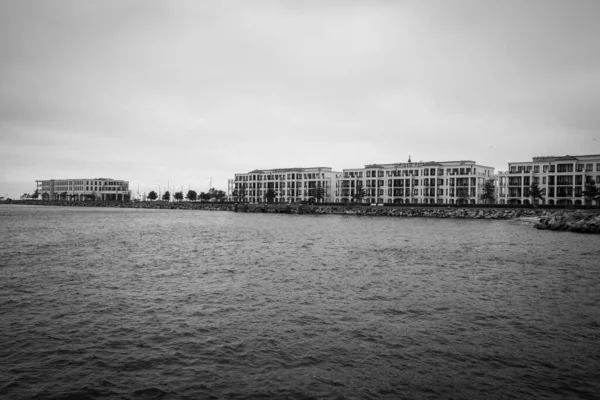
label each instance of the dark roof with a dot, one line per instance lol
(373, 166)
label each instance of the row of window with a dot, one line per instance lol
(282, 185)
(428, 192)
(82, 183)
(550, 180)
(588, 167)
(280, 177)
(359, 174)
(412, 182)
(288, 192)
(61, 189)
(412, 172)
(552, 192)
(407, 192)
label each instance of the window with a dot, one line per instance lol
(588, 167)
(536, 169)
(564, 180)
(565, 168)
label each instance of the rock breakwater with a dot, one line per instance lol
(573, 221)
(559, 220)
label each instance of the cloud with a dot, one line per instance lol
(153, 91)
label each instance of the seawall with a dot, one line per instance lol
(585, 221)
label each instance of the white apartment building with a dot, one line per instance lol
(105, 189)
(561, 179)
(434, 182)
(288, 184)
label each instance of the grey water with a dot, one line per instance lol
(161, 304)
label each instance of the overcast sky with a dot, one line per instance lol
(188, 91)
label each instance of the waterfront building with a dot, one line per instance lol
(287, 185)
(561, 179)
(105, 189)
(433, 182)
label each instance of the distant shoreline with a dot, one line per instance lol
(585, 221)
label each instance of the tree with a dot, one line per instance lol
(204, 196)
(213, 194)
(166, 196)
(489, 192)
(270, 195)
(25, 196)
(152, 195)
(590, 192)
(35, 195)
(191, 195)
(360, 193)
(463, 195)
(240, 192)
(63, 196)
(318, 193)
(217, 194)
(535, 193)
(178, 196)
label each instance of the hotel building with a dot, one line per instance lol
(288, 184)
(104, 189)
(434, 182)
(561, 179)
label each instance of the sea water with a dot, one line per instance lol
(127, 303)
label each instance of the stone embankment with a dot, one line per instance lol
(573, 221)
(563, 220)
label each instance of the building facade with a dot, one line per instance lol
(104, 189)
(561, 179)
(434, 182)
(285, 185)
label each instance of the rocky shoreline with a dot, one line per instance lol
(587, 221)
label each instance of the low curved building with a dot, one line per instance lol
(97, 189)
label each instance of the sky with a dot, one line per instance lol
(187, 93)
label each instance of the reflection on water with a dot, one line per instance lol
(199, 304)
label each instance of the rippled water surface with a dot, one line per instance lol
(122, 303)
